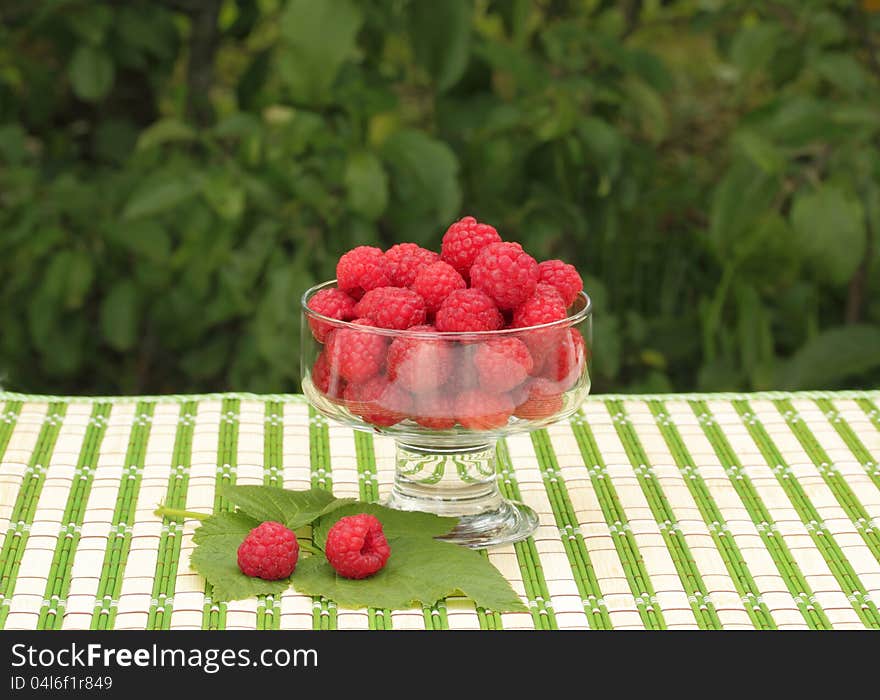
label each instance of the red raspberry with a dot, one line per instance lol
(464, 240)
(544, 306)
(502, 364)
(436, 282)
(565, 361)
(563, 277)
(269, 552)
(435, 411)
(468, 310)
(356, 546)
(326, 380)
(477, 410)
(506, 273)
(378, 401)
(362, 269)
(392, 307)
(543, 399)
(333, 303)
(405, 260)
(355, 355)
(419, 364)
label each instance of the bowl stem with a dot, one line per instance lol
(460, 481)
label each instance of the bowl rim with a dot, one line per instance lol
(567, 322)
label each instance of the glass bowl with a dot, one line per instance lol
(446, 399)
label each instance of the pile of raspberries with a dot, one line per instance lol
(477, 283)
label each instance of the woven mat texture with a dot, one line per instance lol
(675, 511)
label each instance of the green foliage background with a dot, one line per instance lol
(174, 173)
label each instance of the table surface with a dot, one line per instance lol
(732, 511)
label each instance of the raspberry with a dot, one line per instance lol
(435, 411)
(333, 303)
(477, 410)
(565, 361)
(392, 307)
(356, 546)
(269, 552)
(436, 282)
(419, 364)
(502, 364)
(468, 310)
(326, 380)
(405, 260)
(543, 399)
(545, 305)
(464, 240)
(362, 269)
(563, 277)
(355, 355)
(506, 273)
(378, 401)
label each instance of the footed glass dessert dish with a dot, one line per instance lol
(446, 398)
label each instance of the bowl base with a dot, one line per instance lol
(460, 482)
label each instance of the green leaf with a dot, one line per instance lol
(831, 357)
(759, 150)
(80, 275)
(147, 239)
(831, 229)
(425, 180)
(738, 200)
(754, 46)
(165, 131)
(225, 195)
(367, 184)
(318, 37)
(91, 73)
(440, 35)
(843, 71)
(119, 316)
(419, 570)
(158, 196)
(395, 523)
(216, 558)
(292, 508)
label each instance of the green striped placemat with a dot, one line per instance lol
(699, 511)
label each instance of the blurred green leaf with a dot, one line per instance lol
(225, 195)
(425, 179)
(156, 197)
(165, 131)
(147, 239)
(119, 316)
(318, 37)
(91, 73)
(738, 200)
(367, 184)
(440, 34)
(80, 276)
(831, 230)
(830, 357)
(754, 46)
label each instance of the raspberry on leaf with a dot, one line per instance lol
(356, 546)
(269, 551)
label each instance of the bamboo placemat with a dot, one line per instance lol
(671, 511)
